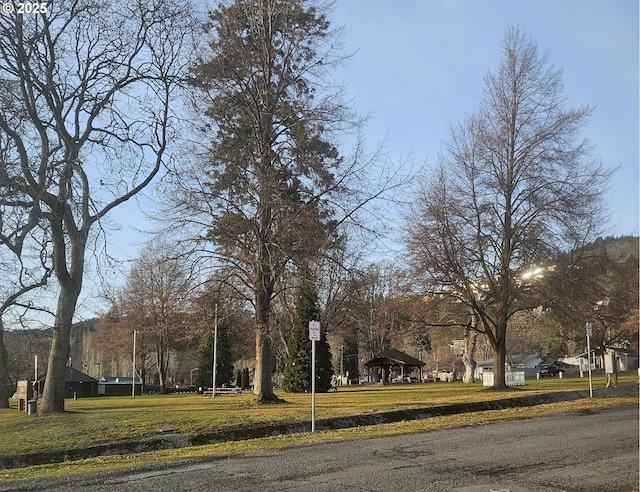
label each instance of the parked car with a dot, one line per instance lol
(549, 370)
(405, 379)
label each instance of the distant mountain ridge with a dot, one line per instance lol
(618, 248)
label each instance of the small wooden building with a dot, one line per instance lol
(390, 359)
(118, 386)
(77, 384)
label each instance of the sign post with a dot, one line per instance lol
(133, 366)
(215, 352)
(314, 336)
(589, 335)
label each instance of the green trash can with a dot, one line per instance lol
(32, 407)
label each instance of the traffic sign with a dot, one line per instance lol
(314, 336)
(314, 330)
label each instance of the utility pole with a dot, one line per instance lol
(133, 382)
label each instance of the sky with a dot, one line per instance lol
(417, 68)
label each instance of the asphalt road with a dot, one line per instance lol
(572, 452)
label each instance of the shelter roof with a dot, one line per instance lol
(72, 375)
(394, 357)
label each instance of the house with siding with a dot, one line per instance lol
(527, 363)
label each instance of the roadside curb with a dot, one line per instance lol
(173, 441)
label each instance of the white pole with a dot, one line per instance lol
(133, 382)
(314, 335)
(313, 386)
(589, 332)
(215, 350)
(36, 385)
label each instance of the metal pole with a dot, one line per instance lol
(215, 350)
(314, 335)
(313, 386)
(36, 386)
(133, 381)
(589, 332)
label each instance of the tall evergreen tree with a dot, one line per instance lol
(205, 361)
(245, 384)
(224, 365)
(349, 357)
(272, 173)
(297, 373)
(324, 369)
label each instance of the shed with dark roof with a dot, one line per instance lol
(77, 384)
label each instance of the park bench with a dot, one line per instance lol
(223, 391)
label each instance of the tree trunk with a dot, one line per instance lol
(163, 354)
(500, 356)
(54, 388)
(468, 356)
(4, 379)
(68, 261)
(262, 386)
(142, 376)
(162, 362)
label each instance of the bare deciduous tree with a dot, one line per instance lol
(515, 186)
(156, 302)
(95, 81)
(25, 264)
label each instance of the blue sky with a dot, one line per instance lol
(418, 66)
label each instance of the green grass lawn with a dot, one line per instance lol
(103, 420)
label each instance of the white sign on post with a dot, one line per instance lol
(314, 336)
(589, 335)
(314, 330)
